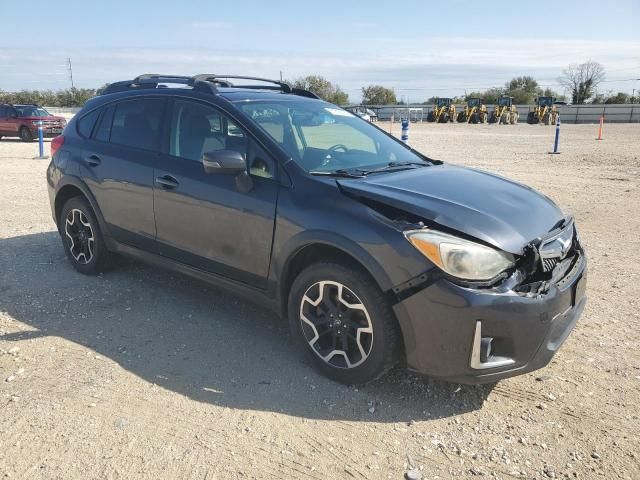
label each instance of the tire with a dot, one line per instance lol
(444, 118)
(532, 118)
(546, 119)
(461, 117)
(475, 119)
(82, 239)
(513, 119)
(493, 118)
(376, 332)
(25, 134)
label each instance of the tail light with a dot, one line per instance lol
(56, 143)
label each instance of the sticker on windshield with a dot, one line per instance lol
(338, 112)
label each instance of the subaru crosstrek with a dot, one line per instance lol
(24, 120)
(375, 253)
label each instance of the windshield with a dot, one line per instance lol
(474, 102)
(545, 101)
(443, 102)
(504, 101)
(31, 111)
(321, 137)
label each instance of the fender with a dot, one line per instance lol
(80, 185)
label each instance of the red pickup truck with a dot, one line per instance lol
(22, 121)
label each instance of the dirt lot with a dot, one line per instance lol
(141, 373)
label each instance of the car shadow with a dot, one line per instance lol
(197, 340)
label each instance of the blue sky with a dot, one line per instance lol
(419, 48)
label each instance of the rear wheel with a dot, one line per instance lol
(25, 134)
(475, 118)
(82, 238)
(444, 118)
(493, 118)
(532, 118)
(343, 323)
(462, 117)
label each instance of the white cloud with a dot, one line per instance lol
(425, 66)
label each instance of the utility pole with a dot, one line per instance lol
(69, 67)
(280, 75)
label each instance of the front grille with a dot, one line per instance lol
(549, 264)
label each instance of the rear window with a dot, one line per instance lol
(136, 123)
(87, 122)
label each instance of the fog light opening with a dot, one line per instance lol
(482, 356)
(485, 348)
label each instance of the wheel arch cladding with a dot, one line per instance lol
(64, 195)
(73, 187)
(314, 252)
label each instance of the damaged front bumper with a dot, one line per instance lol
(474, 335)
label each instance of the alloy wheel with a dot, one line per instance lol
(336, 325)
(80, 237)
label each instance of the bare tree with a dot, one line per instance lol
(582, 80)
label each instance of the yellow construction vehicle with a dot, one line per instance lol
(545, 111)
(474, 112)
(504, 112)
(443, 111)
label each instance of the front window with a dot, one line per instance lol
(321, 137)
(31, 111)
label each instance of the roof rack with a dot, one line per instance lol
(207, 82)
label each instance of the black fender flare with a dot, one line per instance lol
(294, 245)
(72, 180)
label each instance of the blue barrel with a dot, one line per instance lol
(405, 130)
(41, 139)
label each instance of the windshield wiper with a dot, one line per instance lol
(393, 166)
(338, 173)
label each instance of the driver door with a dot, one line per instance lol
(202, 219)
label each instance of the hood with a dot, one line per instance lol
(491, 208)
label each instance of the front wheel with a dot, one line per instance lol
(343, 323)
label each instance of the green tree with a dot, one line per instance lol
(523, 89)
(323, 88)
(619, 97)
(378, 95)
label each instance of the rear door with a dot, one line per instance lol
(118, 161)
(205, 220)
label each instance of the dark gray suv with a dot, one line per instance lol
(376, 254)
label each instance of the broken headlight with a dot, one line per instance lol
(459, 257)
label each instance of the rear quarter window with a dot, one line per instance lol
(87, 122)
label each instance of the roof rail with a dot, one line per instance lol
(207, 82)
(216, 78)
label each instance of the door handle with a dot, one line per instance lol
(167, 181)
(93, 160)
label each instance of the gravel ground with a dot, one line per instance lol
(141, 373)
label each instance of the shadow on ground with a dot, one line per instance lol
(201, 342)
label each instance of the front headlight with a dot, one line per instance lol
(458, 257)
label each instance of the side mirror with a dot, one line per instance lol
(226, 162)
